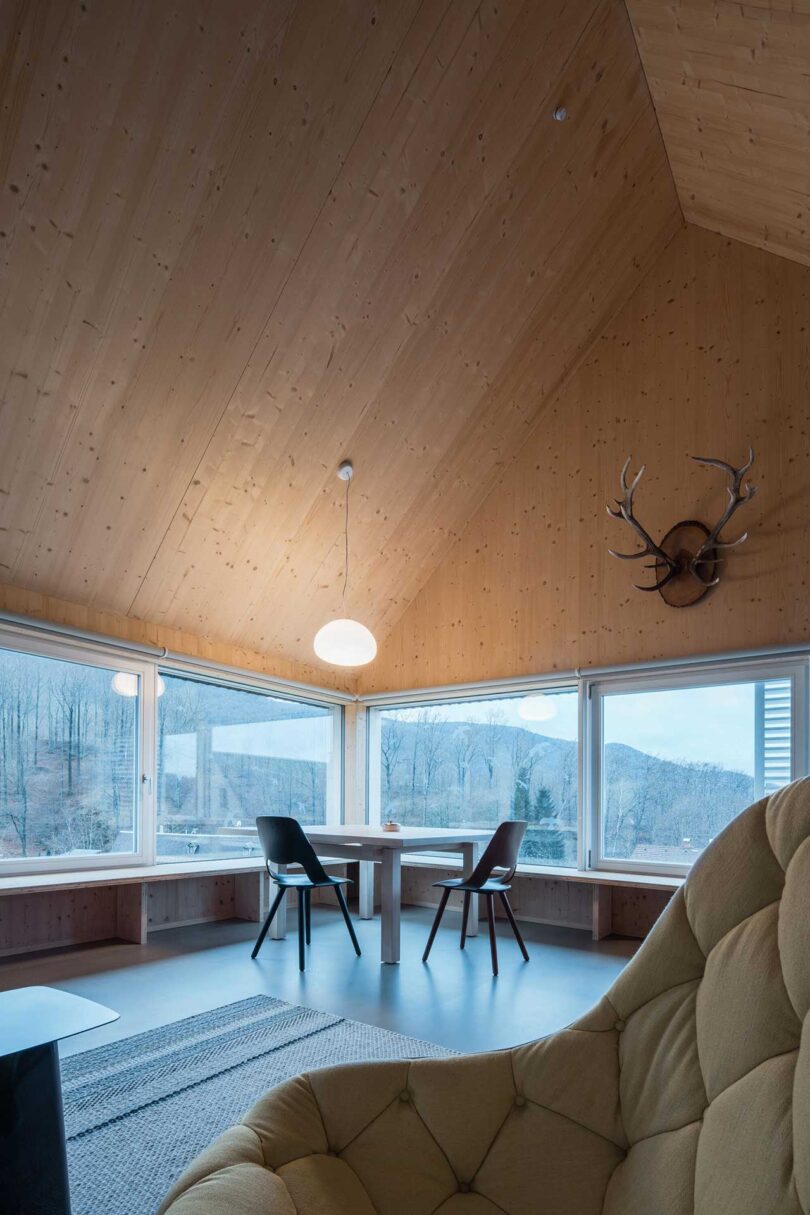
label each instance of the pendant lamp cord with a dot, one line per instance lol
(346, 547)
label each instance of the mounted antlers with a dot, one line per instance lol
(738, 495)
(624, 510)
(688, 554)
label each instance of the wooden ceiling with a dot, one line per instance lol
(243, 241)
(731, 85)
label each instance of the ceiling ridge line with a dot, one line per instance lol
(648, 87)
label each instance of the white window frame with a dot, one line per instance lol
(672, 678)
(462, 694)
(113, 661)
(71, 646)
(257, 686)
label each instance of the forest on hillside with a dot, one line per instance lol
(68, 763)
(69, 775)
(447, 773)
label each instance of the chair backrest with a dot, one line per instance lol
(500, 853)
(284, 843)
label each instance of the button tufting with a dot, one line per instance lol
(404, 1095)
(620, 1025)
(520, 1100)
(464, 1187)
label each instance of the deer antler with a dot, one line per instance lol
(624, 510)
(738, 495)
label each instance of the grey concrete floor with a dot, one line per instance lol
(453, 1000)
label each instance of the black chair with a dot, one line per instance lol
(501, 853)
(284, 843)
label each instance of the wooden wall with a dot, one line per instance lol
(711, 353)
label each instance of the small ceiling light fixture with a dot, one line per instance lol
(125, 683)
(537, 707)
(344, 642)
(560, 113)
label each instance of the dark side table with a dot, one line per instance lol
(33, 1161)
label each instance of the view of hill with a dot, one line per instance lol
(449, 773)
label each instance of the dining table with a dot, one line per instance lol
(370, 846)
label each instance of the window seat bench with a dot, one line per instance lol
(58, 909)
(53, 910)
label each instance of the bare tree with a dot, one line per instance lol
(464, 751)
(493, 727)
(391, 739)
(430, 746)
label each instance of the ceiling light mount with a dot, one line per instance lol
(560, 113)
(345, 470)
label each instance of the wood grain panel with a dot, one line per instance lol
(711, 353)
(242, 241)
(126, 628)
(54, 919)
(190, 901)
(731, 87)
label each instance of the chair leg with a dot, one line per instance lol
(301, 902)
(341, 899)
(493, 948)
(436, 922)
(268, 921)
(308, 914)
(465, 915)
(515, 929)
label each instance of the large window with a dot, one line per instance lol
(674, 765)
(477, 762)
(227, 754)
(68, 759)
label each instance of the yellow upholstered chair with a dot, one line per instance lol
(686, 1091)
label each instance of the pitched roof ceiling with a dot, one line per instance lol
(241, 242)
(731, 84)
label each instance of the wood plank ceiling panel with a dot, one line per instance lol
(242, 241)
(731, 85)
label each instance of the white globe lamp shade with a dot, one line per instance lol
(124, 683)
(537, 707)
(345, 643)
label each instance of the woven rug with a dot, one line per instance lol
(139, 1110)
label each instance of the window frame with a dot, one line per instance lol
(335, 800)
(662, 677)
(465, 694)
(68, 646)
(112, 660)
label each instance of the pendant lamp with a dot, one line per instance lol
(344, 642)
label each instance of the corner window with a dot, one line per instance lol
(474, 763)
(226, 754)
(675, 764)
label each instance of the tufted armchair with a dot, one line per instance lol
(686, 1091)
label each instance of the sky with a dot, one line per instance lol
(710, 724)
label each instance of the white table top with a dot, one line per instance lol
(406, 839)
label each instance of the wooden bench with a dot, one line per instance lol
(49, 911)
(603, 902)
(57, 909)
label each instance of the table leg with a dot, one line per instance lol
(391, 881)
(471, 854)
(33, 1161)
(278, 929)
(366, 890)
